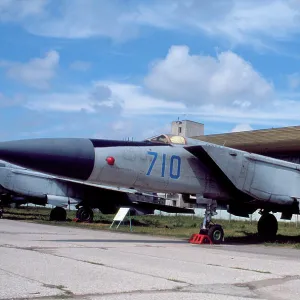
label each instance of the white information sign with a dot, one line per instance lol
(120, 216)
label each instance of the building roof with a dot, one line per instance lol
(273, 140)
(190, 121)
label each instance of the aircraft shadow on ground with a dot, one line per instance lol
(253, 238)
(142, 241)
(14, 218)
(15, 215)
(125, 223)
(248, 239)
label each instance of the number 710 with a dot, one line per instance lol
(173, 171)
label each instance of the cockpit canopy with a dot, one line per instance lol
(168, 139)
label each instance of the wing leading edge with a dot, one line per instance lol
(262, 178)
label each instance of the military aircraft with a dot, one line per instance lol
(19, 186)
(244, 181)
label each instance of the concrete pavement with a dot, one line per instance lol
(53, 262)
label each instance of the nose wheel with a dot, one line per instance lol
(216, 234)
(214, 231)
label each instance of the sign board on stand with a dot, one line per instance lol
(120, 216)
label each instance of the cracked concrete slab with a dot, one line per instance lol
(283, 290)
(173, 296)
(52, 262)
(9, 282)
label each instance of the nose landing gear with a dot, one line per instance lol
(214, 231)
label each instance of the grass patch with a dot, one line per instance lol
(236, 232)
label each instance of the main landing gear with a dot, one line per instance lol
(85, 214)
(267, 226)
(58, 214)
(214, 231)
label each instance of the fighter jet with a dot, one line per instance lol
(19, 185)
(243, 181)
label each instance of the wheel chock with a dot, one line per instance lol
(198, 238)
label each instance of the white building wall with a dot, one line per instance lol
(187, 128)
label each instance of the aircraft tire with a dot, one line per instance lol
(267, 227)
(85, 214)
(216, 234)
(58, 214)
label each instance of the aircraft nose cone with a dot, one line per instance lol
(73, 158)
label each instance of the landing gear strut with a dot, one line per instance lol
(267, 226)
(85, 214)
(58, 214)
(214, 231)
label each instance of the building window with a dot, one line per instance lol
(179, 129)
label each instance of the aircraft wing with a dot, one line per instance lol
(112, 188)
(260, 177)
(139, 203)
(135, 203)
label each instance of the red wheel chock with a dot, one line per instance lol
(198, 238)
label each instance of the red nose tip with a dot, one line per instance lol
(110, 160)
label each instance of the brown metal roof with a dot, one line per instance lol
(259, 141)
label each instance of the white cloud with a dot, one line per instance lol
(129, 128)
(6, 101)
(242, 127)
(18, 10)
(86, 18)
(240, 22)
(60, 102)
(136, 100)
(197, 80)
(256, 23)
(225, 88)
(122, 128)
(294, 81)
(277, 113)
(80, 65)
(36, 73)
(102, 95)
(96, 99)
(120, 125)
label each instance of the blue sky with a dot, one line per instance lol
(127, 68)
